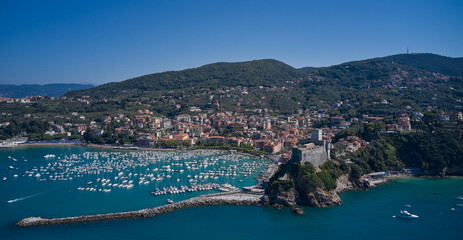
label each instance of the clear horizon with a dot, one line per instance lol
(91, 42)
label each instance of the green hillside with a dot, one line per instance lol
(278, 87)
(431, 62)
(271, 72)
(266, 72)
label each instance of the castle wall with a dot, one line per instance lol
(317, 155)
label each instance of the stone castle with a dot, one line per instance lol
(315, 151)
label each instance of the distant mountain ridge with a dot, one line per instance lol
(270, 72)
(51, 90)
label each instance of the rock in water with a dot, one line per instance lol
(298, 211)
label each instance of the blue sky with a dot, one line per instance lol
(104, 41)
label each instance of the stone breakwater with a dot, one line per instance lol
(229, 198)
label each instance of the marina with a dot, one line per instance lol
(61, 200)
(165, 172)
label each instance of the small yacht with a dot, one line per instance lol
(460, 198)
(48, 156)
(453, 210)
(405, 214)
(169, 201)
(407, 205)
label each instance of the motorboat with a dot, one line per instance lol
(405, 214)
(169, 201)
(460, 198)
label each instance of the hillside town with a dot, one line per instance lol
(254, 129)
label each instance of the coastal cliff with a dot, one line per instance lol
(306, 185)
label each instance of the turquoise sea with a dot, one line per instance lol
(364, 214)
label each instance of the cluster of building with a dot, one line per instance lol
(260, 128)
(352, 143)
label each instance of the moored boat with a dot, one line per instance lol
(405, 214)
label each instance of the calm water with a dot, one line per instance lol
(364, 214)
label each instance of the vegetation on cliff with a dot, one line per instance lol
(325, 178)
(305, 184)
(277, 185)
(432, 147)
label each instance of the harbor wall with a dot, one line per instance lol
(234, 198)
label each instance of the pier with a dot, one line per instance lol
(228, 198)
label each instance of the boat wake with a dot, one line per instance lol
(23, 198)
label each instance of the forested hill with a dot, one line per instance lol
(377, 72)
(302, 85)
(266, 72)
(431, 63)
(51, 90)
(428, 62)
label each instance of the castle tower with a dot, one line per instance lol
(316, 135)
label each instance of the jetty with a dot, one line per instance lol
(227, 198)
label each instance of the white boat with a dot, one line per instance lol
(4, 178)
(169, 201)
(405, 214)
(460, 198)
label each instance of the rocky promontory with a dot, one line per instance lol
(297, 184)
